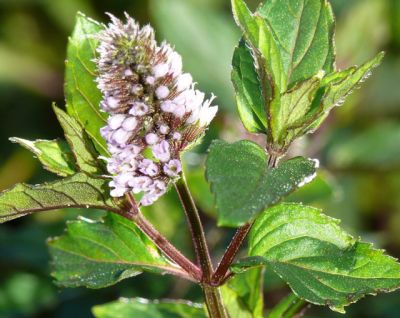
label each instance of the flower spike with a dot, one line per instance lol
(152, 105)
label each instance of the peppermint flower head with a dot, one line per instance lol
(154, 110)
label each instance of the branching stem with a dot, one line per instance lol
(212, 294)
(160, 241)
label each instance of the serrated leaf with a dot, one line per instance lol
(266, 53)
(249, 99)
(337, 86)
(243, 294)
(321, 263)
(143, 308)
(84, 152)
(79, 191)
(244, 185)
(55, 155)
(82, 95)
(97, 254)
(303, 31)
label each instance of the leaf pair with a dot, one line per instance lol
(284, 69)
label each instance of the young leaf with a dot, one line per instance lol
(55, 155)
(78, 191)
(244, 185)
(82, 95)
(334, 89)
(321, 263)
(303, 31)
(85, 154)
(100, 254)
(143, 308)
(243, 294)
(249, 99)
(292, 108)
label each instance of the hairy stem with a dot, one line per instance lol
(214, 302)
(196, 229)
(160, 241)
(230, 254)
(222, 272)
(212, 294)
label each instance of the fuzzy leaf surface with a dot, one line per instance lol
(55, 155)
(243, 294)
(82, 95)
(322, 264)
(243, 184)
(143, 308)
(79, 191)
(97, 254)
(82, 147)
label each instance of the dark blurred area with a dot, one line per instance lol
(359, 146)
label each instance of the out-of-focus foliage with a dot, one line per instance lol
(359, 145)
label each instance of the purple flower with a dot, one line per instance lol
(161, 151)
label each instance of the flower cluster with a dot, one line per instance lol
(154, 109)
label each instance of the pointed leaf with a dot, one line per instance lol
(340, 84)
(82, 95)
(79, 191)
(243, 294)
(55, 155)
(334, 89)
(85, 154)
(321, 263)
(97, 254)
(249, 99)
(143, 308)
(303, 31)
(244, 186)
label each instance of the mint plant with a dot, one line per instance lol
(131, 113)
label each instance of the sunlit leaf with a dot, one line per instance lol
(97, 254)
(85, 154)
(82, 95)
(143, 308)
(79, 190)
(55, 155)
(321, 263)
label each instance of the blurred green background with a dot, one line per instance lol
(359, 146)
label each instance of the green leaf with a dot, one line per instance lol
(287, 308)
(243, 294)
(85, 154)
(303, 31)
(55, 155)
(79, 191)
(321, 263)
(143, 308)
(249, 99)
(244, 185)
(99, 254)
(82, 95)
(339, 85)
(291, 109)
